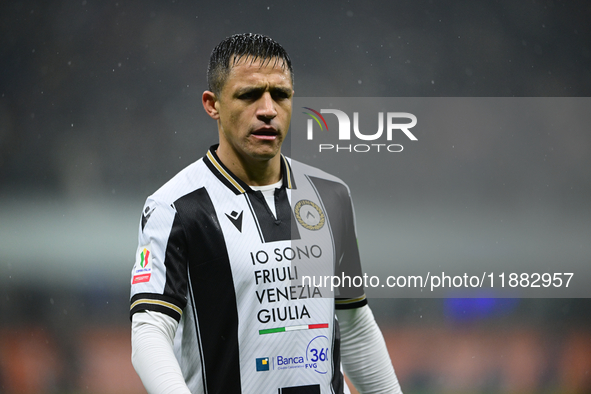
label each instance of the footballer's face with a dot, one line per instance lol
(254, 109)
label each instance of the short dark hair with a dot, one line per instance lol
(238, 46)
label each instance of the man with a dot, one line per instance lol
(217, 301)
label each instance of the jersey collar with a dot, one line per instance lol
(234, 183)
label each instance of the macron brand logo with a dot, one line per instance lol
(236, 219)
(389, 123)
(146, 215)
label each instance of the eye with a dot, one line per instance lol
(247, 95)
(280, 95)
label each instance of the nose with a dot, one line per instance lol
(266, 108)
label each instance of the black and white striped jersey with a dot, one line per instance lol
(246, 286)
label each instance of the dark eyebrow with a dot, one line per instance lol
(280, 89)
(249, 89)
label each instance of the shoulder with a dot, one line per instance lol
(323, 182)
(189, 179)
(160, 208)
(304, 170)
(193, 177)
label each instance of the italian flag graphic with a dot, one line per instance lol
(293, 328)
(144, 258)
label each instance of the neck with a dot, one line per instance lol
(251, 171)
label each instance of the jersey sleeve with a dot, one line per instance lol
(159, 276)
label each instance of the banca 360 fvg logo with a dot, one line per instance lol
(395, 122)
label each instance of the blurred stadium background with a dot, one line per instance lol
(100, 104)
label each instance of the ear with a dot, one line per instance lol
(209, 100)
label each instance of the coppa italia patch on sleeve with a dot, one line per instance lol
(142, 270)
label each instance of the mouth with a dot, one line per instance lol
(265, 133)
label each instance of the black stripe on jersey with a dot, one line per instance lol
(192, 304)
(274, 229)
(212, 291)
(175, 261)
(350, 303)
(285, 213)
(337, 375)
(337, 203)
(158, 303)
(310, 389)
